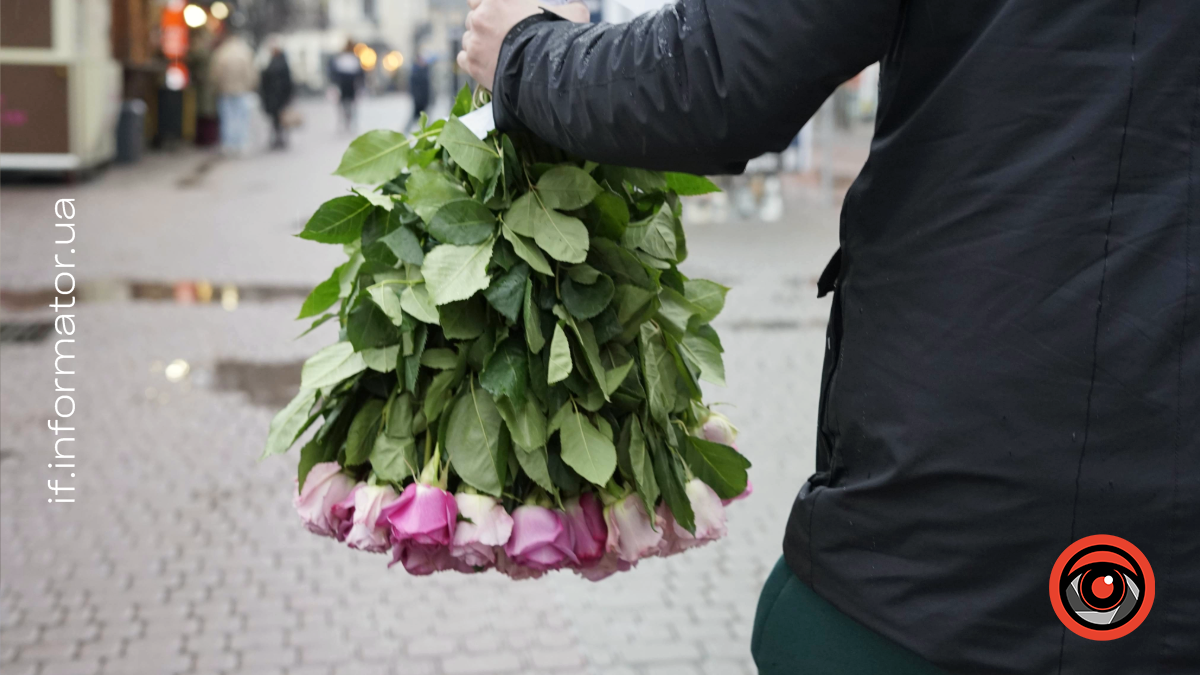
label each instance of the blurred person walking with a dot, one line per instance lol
(1012, 365)
(348, 76)
(419, 86)
(235, 78)
(276, 92)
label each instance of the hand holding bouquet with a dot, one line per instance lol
(516, 383)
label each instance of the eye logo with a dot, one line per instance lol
(1102, 587)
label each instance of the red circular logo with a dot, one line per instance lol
(1102, 587)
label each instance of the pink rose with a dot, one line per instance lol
(709, 519)
(341, 513)
(745, 493)
(607, 566)
(585, 520)
(540, 539)
(512, 570)
(422, 559)
(718, 429)
(361, 529)
(487, 526)
(422, 520)
(631, 533)
(324, 487)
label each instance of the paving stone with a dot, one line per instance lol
(491, 663)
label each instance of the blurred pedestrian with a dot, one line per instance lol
(419, 86)
(347, 74)
(1011, 384)
(235, 79)
(276, 92)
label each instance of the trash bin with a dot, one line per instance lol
(131, 131)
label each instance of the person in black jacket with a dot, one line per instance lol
(1013, 358)
(419, 86)
(275, 86)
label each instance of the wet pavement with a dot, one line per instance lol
(182, 553)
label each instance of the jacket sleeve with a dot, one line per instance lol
(700, 86)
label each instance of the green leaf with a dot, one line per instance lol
(658, 369)
(567, 188)
(585, 301)
(403, 244)
(367, 326)
(457, 272)
(438, 394)
(412, 362)
(381, 359)
(722, 467)
(563, 237)
(383, 201)
(337, 221)
(429, 189)
(289, 423)
(534, 462)
(374, 157)
(439, 359)
(630, 300)
(591, 351)
(463, 320)
(400, 416)
(560, 356)
(610, 213)
(675, 311)
(393, 459)
(643, 467)
(462, 101)
(655, 235)
(323, 296)
(363, 430)
(707, 296)
(463, 222)
(533, 329)
(331, 365)
(686, 184)
(507, 291)
(473, 441)
(313, 453)
(526, 423)
(416, 301)
(475, 157)
(643, 179)
(705, 356)
(587, 450)
(387, 297)
(507, 371)
(669, 475)
(527, 250)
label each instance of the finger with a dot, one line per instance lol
(470, 20)
(474, 4)
(462, 62)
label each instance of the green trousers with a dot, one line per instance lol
(797, 632)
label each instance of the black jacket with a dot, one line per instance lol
(276, 84)
(1014, 355)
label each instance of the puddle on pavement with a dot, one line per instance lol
(186, 292)
(271, 385)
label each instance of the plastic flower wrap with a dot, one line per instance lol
(517, 378)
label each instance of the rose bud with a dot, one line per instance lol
(422, 521)
(324, 487)
(486, 526)
(631, 533)
(608, 565)
(362, 529)
(585, 520)
(540, 539)
(341, 513)
(512, 570)
(709, 519)
(718, 429)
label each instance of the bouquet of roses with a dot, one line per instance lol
(516, 383)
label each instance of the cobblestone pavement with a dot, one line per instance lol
(183, 555)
